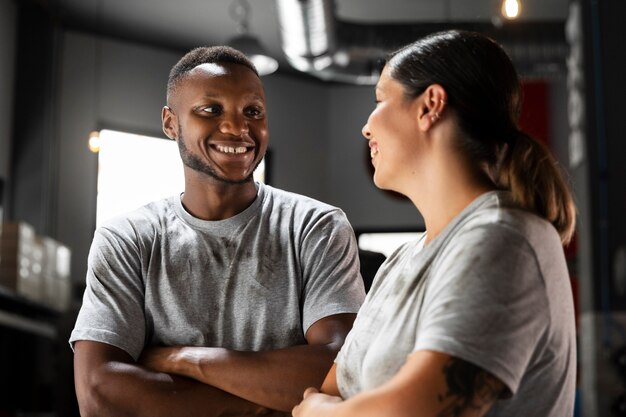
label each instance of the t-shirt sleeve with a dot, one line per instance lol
(330, 264)
(112, 310)
(486, 303)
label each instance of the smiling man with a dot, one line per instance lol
(228, 299)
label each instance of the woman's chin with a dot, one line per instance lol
(380, 181)
(389, 189)
(377, 182)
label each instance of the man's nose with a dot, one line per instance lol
(234, 124)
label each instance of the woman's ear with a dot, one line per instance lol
(434, 101)
(169, 123)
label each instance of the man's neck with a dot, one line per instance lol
(215, 200)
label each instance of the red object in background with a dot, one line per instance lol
(571, 249)
(535, 114)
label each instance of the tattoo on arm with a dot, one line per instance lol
(470, 389)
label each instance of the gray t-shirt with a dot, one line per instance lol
(255, 281)
(492, 289)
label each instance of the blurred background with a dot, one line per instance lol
(82, 83)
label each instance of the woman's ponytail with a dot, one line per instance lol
(535, 180)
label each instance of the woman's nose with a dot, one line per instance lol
(365, 131)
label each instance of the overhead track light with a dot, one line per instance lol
(511, 9)
(247, 43)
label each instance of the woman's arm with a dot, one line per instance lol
(329, 386)
(433, 383)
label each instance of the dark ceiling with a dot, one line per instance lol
(184, 24)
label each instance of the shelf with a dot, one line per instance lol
(25, 315)
(25, 324)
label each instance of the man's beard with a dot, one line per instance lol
(195, 163)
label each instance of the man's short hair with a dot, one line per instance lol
(205, 55)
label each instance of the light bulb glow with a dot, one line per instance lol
(511, 9)
(94, 141)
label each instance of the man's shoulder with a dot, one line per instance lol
(297, 201)
(143, 218)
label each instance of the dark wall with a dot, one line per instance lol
(43, 382)
(602, 174)
(597, 87)
(611, 133)
(34, 141)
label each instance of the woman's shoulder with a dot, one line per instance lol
(500, 216)
(502, 233)
(497, 229)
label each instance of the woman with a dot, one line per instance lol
(475, 318)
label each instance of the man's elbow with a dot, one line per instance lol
(92, 396)
(91, 406)
(335, 346)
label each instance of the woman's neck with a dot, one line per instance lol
(442, 211)
(447, 194)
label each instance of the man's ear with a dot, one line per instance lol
(433, 102)
(169, 122)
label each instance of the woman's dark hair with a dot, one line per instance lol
(484, 92)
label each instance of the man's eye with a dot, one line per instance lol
(254, 112)
(211, 109)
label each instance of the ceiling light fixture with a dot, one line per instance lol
(511, 9)
(248, 44)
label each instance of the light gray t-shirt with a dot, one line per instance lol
(492, 289)
(255, 281)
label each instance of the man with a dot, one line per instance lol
(252, 289)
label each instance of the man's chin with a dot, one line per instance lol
(203, 169)
(235, 181)
(226, 180)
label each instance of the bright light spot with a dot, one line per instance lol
(94, 141)
(510, 9)
(264, 64)
(385, 243)
(135, 170)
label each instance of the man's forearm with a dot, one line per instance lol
(274, 379)
(122, 389)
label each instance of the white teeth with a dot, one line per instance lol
(373, 152)
(230, 149)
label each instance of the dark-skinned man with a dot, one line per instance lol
(229, 299)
